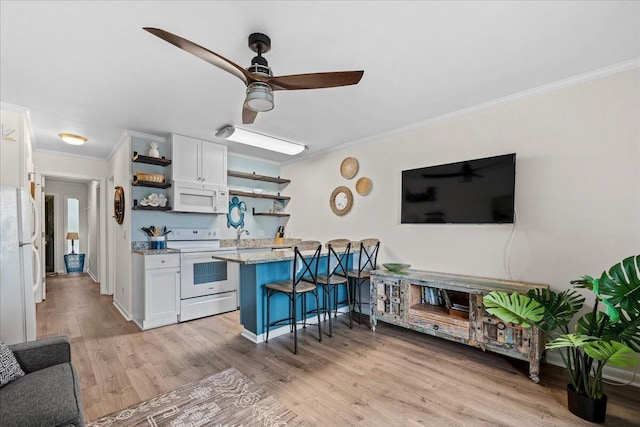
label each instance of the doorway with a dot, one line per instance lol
(49, 234)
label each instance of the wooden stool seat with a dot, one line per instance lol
(287, 287)
(355, 274)
(323, 279)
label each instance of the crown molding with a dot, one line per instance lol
(550, 87)
(14, 108)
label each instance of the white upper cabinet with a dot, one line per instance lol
(196, 160)
(15, 149)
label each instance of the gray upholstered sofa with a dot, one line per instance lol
(49, 393)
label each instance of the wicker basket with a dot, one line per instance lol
(150, 177)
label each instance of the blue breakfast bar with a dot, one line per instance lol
(259, 268)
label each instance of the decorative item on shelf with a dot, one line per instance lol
(600, 338)
(363, 186)
(235, 216)
(349, 167)
(154, 199)
(153, 150)
(150, 177)
(73, 237)
(341, 200)
(118, 204)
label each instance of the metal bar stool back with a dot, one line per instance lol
(367, 259)
(337, 268)
(303, 280)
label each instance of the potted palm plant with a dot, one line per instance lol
(608, 334)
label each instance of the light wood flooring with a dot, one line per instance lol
(391, 377)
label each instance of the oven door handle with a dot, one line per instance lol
(200, 256)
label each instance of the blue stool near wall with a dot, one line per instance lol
(74, 263)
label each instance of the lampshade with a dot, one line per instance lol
(244, 136)
(259, 97)
(72, 236)
(72, 139)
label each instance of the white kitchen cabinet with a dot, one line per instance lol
(15, 148)
(196, 160)
(156, 289)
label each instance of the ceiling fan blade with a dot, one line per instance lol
(315, 80)
(248, 116)
(204, 54)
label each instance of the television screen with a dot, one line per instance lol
(479, 191)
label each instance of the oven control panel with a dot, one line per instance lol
(194, 234)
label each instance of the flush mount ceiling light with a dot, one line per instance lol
(72, 139)
(244, 136)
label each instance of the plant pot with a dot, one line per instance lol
(589, 409)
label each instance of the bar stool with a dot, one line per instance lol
(338, 255)
(366, 263)
(303, 281)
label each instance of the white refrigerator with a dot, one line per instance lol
(19, 225)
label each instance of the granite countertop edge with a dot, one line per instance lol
(154, 251)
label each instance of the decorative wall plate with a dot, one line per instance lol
(235, 216)
(363, 186)
(118, 205)
(349, 167)
(341, 200)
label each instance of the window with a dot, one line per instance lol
(73, 222)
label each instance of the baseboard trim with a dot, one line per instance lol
(93, 276)
(122, 311)
(610, 373)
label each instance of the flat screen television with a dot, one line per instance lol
(479, 191)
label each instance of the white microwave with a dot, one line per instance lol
(199, 197)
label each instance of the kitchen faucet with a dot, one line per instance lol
(241, 230)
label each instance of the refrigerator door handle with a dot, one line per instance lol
(37, 278)
(36, 218)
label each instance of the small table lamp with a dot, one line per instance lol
(72, 237)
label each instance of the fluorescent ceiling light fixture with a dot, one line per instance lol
(244, 136)
(72, 139)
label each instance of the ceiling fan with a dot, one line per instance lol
(258, 78)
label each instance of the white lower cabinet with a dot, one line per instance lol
(156, 289)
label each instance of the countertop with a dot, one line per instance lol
(262, 257)
(154, 251)
(261, 243)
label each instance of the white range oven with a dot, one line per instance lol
(207, 286)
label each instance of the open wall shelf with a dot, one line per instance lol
(139, 158)
(258, 195)
(256, 177)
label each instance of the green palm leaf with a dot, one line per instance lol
(514, 308)
(627, 331)
(570, 340)
(559, 308)
(622, 289)
(611, 352)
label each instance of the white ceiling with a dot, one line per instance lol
(89, 68)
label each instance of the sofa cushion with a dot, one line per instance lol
(9, 368)
(48, 397)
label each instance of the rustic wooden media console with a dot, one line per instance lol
(450, 306)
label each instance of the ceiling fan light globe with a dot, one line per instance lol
(259, 97)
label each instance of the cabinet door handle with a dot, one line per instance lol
(501, 326)
(162, 261)
(435, 327)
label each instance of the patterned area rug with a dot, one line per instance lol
(227, 398)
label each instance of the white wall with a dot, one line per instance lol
(577, 186)
(119, 235)
(59, 165)
(93, 236)
(61, 190)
